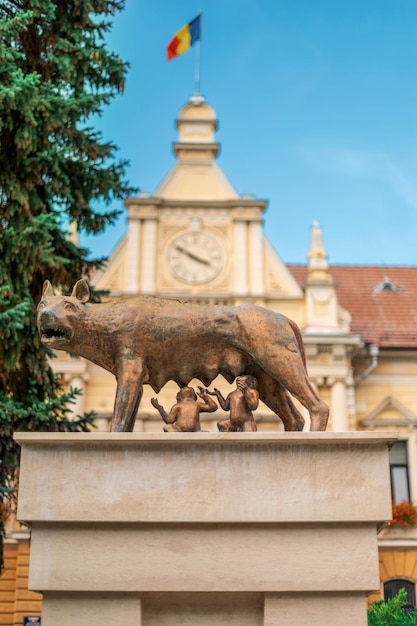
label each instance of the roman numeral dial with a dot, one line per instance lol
(195, 257)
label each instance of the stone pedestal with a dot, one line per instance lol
(240, 529)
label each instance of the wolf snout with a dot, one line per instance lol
(46, 318)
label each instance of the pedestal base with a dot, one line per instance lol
(200, 528)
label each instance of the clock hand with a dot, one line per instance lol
(191, 255)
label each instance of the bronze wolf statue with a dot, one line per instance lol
(147, 340)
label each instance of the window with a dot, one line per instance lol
(386, 285)
(392, 587)
(398, 460)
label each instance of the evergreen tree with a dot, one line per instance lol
(55, 72)
(391, 612)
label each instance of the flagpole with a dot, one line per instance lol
(198, 57)
(197, 67)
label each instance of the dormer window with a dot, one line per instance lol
(386, 285)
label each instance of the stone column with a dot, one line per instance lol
(78, 382)
(133, 250)
(256, 258)
(148, 256)
(339, 408)
(240, 287)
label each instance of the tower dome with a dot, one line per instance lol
(196, 124)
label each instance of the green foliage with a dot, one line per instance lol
(55, 72)
(391, 612)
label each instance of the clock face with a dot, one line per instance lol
(195, 257)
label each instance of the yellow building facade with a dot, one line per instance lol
(195, 237)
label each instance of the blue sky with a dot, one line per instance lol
(317, 106)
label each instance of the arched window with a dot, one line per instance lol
(392, 587)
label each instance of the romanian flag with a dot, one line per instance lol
(184, 38)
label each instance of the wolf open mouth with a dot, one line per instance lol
(53, 333)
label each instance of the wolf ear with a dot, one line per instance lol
(47, 289)
(81, 291)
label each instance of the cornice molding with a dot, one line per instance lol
(232, 203)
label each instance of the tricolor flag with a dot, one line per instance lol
(184, 38)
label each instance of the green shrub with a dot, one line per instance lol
(391, 612)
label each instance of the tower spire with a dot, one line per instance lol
(317, 257)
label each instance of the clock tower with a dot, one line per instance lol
(195, 237)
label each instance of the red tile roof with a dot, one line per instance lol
(385, 318)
